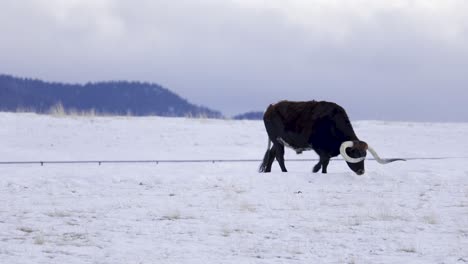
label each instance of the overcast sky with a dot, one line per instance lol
(380, 59)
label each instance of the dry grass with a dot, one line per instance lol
(172, 215)
(431, 219)
(58, 110)
(408, 249)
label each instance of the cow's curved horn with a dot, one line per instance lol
(344, 146)
(380, 160)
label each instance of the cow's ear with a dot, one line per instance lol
(360, 145)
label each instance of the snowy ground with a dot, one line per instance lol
(406, 212)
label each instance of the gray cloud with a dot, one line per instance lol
(403, 60)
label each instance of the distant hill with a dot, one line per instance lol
(115, 97)
(249, 116)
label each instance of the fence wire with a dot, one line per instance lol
(101, 162)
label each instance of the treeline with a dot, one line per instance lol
(253, 115)
(114, 98)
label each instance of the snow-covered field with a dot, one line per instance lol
(404, 212)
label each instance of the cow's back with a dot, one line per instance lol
(296, 115)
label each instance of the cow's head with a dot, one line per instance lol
(354, 152)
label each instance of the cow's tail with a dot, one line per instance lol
(266, 158)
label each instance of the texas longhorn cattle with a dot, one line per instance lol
(320, 126)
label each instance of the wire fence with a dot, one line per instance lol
(101, 162)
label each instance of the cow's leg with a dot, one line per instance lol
(271, 158)
(324, 160)
(270, 153)
(317, 167)
(280, 156)
(266, 159)
(274, 129)
(263, 166)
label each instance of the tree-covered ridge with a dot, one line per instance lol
(114, 97)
